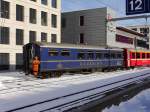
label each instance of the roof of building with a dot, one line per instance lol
(138, 26)
(130, 31)
(82, 10)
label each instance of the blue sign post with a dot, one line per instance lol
(137, 6)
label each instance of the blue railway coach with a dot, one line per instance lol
(59, 58)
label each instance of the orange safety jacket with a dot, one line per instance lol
(35, 65)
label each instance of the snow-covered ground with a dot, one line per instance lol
(22, 93)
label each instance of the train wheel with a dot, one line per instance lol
(43, 75)
(58, 74)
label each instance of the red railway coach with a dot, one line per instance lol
(135, 58)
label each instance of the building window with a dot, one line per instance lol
(19, 60)
(54, 38)
(4, 35)
(5, 7)
(43, 37)
(44, 2)
(43, 18)
(63, 22)
(32, 36)
(81, 38)
(141, 43)
(124, 39)
(4, 61)
(33, 16)
(19, 13)
(54, 3)
(81, 20)
(54, 21)
(19, 37)
(144, 30)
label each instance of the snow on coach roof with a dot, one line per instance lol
(77, 46)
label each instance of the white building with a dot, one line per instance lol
(144, 29)
(24, 21)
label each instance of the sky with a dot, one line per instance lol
(116, 5)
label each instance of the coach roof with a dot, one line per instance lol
(77, 46)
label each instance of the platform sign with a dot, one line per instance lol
(137, 6)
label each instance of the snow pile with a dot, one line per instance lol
(2, 86)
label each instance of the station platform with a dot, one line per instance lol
(20, 93)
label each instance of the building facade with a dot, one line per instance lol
(126, 38)
(144, 29)
(92, 27)
(87, 26)
(24, 21)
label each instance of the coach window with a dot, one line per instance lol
(133, 55)
(119, 55)
(65, 53)
(90, 55)
(149, 55)
(143, 55)
(113, 56)
(81, 56)
(53, 53)
(98, 55)
(138, 55)
(106, 56)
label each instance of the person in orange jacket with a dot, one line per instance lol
(35, 66)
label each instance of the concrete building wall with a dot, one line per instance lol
(111, 29)
(97, 29)
(12, 48)
(94, 28)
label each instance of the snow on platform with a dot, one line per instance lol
(20, 93)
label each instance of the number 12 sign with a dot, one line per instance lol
(137, 6)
